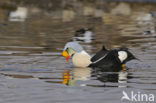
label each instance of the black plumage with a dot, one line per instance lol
(80, 32)
(99, 54)
(109, 59)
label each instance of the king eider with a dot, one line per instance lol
(102, 59)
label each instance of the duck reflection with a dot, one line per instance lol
(81, 77)
(76, 77)
(111, 76)
(122, 78)
(81, 73)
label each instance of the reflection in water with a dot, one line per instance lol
(66, 77)
(80, 77)
(19, 15)
(81, 73)
(114, 77)
(77, 76)
(122, 78)
(17, 76)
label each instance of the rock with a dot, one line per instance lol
(68, 15)
(122, 9)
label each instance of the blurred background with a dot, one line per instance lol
(52, 23)
(33, 34)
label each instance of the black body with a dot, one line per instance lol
(108, 60)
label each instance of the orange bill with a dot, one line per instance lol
(66, 55)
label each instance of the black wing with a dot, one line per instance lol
(99, 54)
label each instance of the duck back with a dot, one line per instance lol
(110, 60)
(99, 55)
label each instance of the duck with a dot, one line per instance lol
(114, 58)
(83, 35)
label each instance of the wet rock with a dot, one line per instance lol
(88, 11)
(68, 15)
(98, 13)
(122, 9)
(144, 17)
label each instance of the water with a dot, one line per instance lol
(32, 69)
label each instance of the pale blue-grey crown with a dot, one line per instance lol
(74, 45)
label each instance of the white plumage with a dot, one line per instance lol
(81, 59)
(122, 55)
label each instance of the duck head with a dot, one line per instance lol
(70, 49)
(68, 53)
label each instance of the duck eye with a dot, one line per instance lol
(67, 49)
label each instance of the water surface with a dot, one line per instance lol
(32, 69)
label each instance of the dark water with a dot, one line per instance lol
(32, 69)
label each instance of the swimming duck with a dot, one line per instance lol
(84, 35)
(102, 59)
